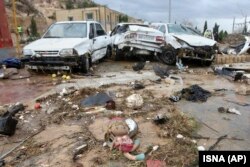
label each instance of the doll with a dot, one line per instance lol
(118, 132)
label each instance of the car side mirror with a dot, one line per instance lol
(91, 36)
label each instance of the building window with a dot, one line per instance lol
(89, 16)
(70, 18)
(108, 18)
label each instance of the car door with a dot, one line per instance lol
(100, 42)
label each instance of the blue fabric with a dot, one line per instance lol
(140, 157)
(11, 62)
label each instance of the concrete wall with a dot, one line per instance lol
(107, 17)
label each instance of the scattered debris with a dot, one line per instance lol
(6, 73)
(96, 100)
(179, 136)
(134, 101)
(155, 163)
(79, 150)
(137, 85)
(195, 93)
(7, 122)
(162, 72)
(228, 110)
(37, 106)
(160, 119)
(110, 105)
(201, 148)
(138, 66)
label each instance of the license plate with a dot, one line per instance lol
(146, 37)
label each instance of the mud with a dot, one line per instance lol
(66, 128)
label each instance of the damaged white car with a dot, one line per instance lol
(181, 42)
(68, 45)
(130, 39)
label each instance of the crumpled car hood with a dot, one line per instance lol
(195, 40)
(55, 43)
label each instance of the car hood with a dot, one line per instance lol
(55, 43)
(195, 40)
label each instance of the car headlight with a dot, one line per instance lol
(67, 52)
(28, 52)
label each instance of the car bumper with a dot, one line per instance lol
(53, 63)
(143, 46)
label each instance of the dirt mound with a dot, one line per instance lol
(234, 39)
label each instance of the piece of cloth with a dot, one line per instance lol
(96, 100)
(140, 157)
(195, 93)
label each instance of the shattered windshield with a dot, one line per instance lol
(178, 29)
(67, 30)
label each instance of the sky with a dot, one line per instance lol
(193, 11)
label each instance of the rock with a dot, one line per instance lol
(179, 136)
(75, 107)
(134, 101)
(201, 148)
(169, 81)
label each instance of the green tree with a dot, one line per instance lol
(216, 32)
(69, 4)
(225, 34)
(205, 27)
(123, 18)
(33, 28)
(221, 35)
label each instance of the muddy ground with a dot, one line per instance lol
(59, 128)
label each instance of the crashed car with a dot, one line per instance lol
(128, 39)
(182, 42)
(68, 45)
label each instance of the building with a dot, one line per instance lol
(107, 17)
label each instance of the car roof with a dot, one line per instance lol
(63, 22)
(132, 24)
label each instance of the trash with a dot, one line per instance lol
(68, 77)
(228, 110)
(53, 75)
(7, 122)
(160, 119)
(11, 63)
(134, 101)
(180, 66)
(110, 105)
(79, 150)
(138, 66)
(195, 93)
(201, 148)
(37, 106)
(156, 163)
(169, 81)
(96, 100)
(63, 92)
(161, 71)
(233, 111)
(75, 107)
(179, 136)
(175, 98)
(118, 132)
(137, 85)
(51, 109)
(6, 73)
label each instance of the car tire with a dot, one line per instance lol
(168, 57)
(118, 54)
(108, 52)
(85, 63)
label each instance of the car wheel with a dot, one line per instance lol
(168, 57)
(85, 64)
(108, 52)
(118, 54)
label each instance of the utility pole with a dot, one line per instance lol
(15, 26)
(233, 25)
(169, 12)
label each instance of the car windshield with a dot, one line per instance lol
(178, 29)
(67, 30)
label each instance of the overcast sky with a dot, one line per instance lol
(195, 11)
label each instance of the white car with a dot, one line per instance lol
(136, 39)
(183, 42)
(68, 45)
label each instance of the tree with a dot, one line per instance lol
(205, 27)
(69, 4)
(216, 32)
(225, 33)
(244, 29)
(123, 18)
(33, 28)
